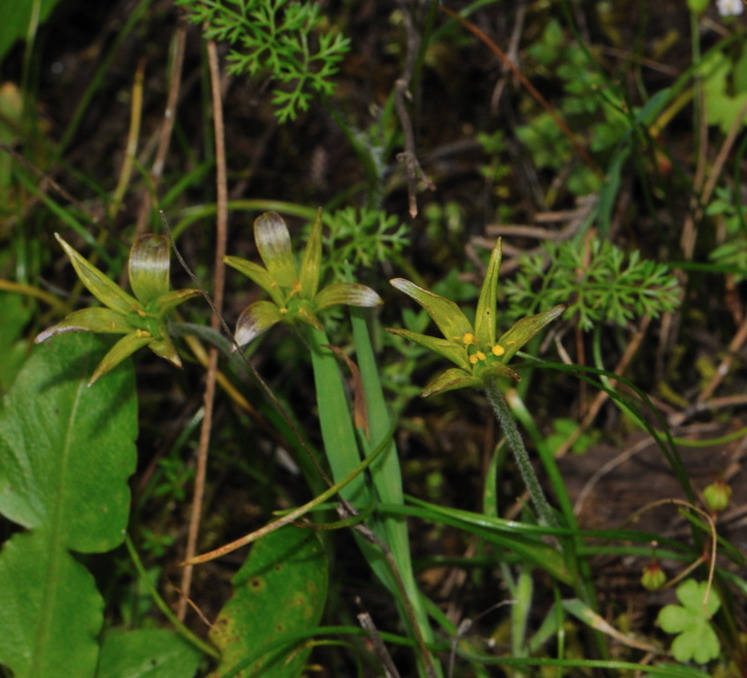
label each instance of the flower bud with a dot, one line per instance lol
(653, 577)
(717, 495)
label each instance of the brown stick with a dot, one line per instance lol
(409, 157)
(218, 283)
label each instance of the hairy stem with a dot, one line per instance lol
(516, 444)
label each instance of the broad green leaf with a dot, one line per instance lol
(147, 653)
(281, 589)
(15, 18)
(50, 610)
(66, 450)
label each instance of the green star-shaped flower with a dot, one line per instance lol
(295, 292)
(475, 351)
(142, 318)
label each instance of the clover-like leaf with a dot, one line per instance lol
(696, 638)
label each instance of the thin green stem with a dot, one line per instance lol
(163, 606)
(516, 444)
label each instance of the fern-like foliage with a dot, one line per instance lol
(611, 287)
(278, 37)
(361, 238)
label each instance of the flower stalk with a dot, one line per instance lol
(521, 455)
(481, 359)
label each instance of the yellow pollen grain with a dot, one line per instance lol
(141, 334)
(283, 311)
(468, 339)
(498, 350)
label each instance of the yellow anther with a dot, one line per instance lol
(141, 334)
(468, 339)
(477, 357)
(283, 311)
(498, 350)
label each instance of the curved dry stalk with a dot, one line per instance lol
(712, 528)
